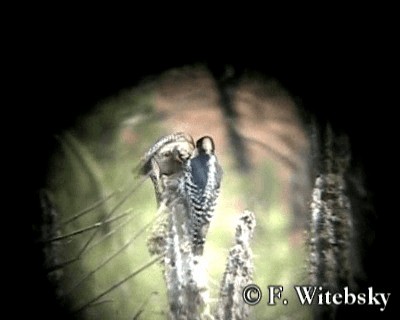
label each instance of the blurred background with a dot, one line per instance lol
(97, 98)
(262, 145)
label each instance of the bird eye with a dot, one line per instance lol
(166, 154)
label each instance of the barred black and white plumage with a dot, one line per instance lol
(202, 179)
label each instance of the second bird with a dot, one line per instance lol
(201, 184)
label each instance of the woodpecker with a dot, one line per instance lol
(169, 152)
(163, 162)
(201, 184)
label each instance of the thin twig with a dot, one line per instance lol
(61, 265)
(90, 208)
(101, 302)
(109, 234)
(107, 216)
(113, 287)
(91, 227)
(87, 162)
(101, 265)
(143, 305)
(85, 247)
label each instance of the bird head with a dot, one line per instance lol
(205, 145)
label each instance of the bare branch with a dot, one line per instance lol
(143, 305)
(107, 216)
(52, 251)
(238, 273)
(109, 234)
(330, 218)
(115, 286)
(101, 265)
(185, 274)
(98, 303)
(93, 226)
(184, 269)
(88, 163)
(61, 265)
(89, 209)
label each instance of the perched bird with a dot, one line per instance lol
(181, 170)
(201, 184)
(167, 151)
(163, 162)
